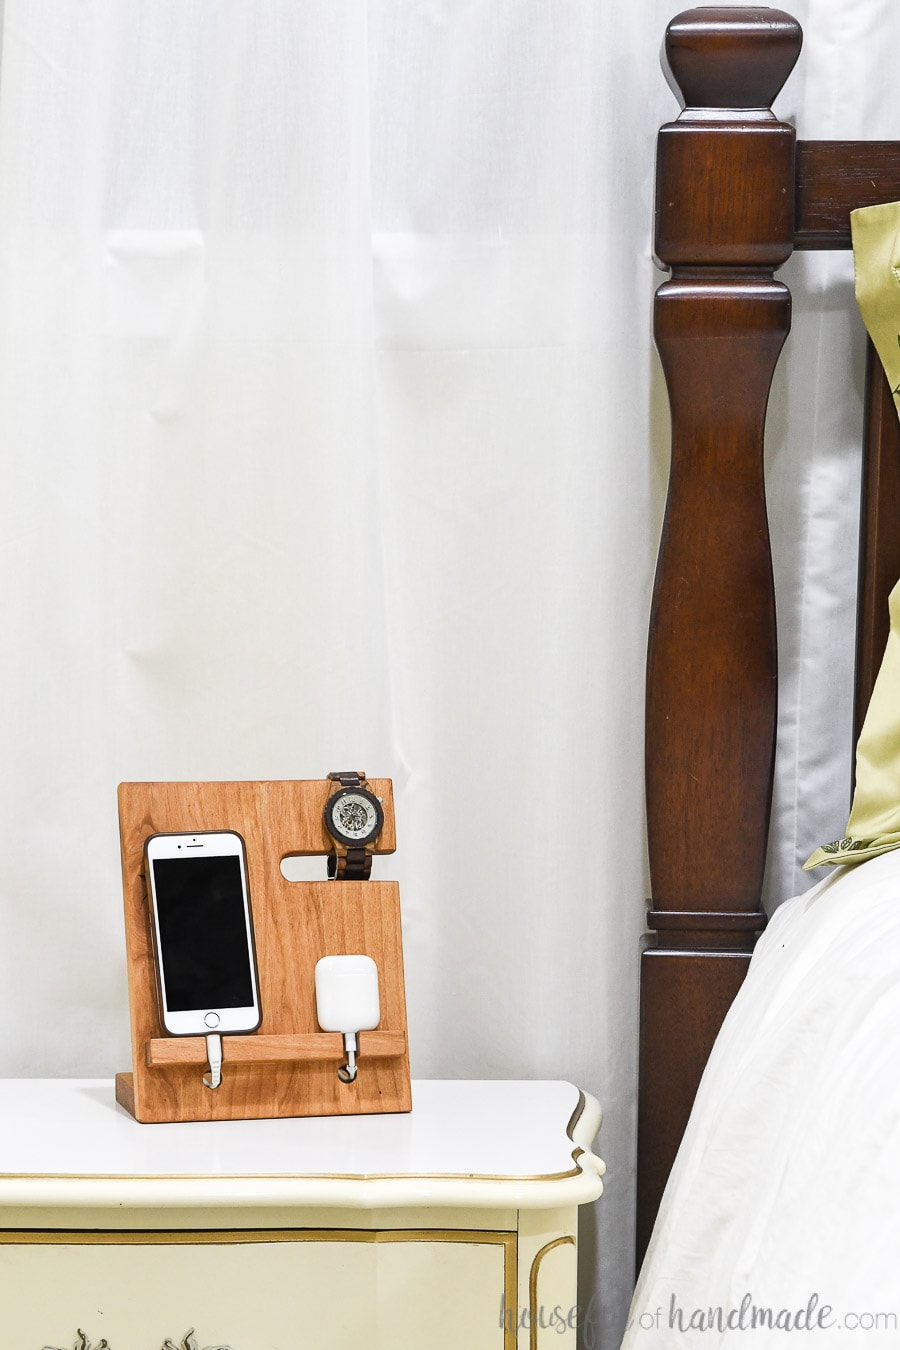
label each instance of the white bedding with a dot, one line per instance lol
(786, 1192)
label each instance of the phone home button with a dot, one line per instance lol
(212, 1019)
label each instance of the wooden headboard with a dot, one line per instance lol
(736, 193)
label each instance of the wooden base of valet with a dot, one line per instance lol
(289, 1067)
(378, 1050)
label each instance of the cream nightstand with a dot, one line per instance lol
(452, 1228)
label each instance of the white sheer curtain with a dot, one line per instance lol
(332, 434)
(843, 89)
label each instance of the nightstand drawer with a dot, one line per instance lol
(330, 1289)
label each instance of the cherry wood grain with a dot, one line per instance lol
(702, 172)
(724, 221)
(711, 674)
(720, 58)
(258, 1049)
(287, 1069)
(691, 991)
(833, 179)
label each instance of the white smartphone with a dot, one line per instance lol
(203, 932)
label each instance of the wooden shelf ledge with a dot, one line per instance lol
(164, 1052)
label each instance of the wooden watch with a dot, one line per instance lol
(354, 819)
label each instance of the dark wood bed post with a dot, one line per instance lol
(724, 222)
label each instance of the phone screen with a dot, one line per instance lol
(204, 943)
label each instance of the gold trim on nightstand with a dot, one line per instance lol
(533, 1289)
(113, 1237)
(298, 1176)
(575, 1171)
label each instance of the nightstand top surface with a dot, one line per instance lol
(525, 1143)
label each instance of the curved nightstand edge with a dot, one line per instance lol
(577, 1184)
(585, 1125)
(371, 1193)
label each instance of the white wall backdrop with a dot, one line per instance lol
(332, 435)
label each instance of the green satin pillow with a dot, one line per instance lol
(874, 824)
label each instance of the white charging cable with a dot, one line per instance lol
(347, 1072)
(214, 1055)
(347, 1001)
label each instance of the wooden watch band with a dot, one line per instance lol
(353, 865)
(353, 862)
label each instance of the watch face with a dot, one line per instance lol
(354, 816)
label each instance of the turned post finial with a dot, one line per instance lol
(731, 57)
(725, 193)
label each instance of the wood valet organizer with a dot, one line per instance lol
(288, 1067)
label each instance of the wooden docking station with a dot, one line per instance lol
(288, 1067)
